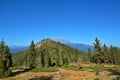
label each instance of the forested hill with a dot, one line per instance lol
(48, 53)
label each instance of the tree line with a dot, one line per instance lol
(47, 53)
(103, 54)
(5, 60)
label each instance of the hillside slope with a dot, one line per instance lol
(50, 52)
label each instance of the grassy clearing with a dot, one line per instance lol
(71, 67)
(93, 68)
(40, 69)
(115, 70)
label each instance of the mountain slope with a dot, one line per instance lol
(79, 46)
(49, 52)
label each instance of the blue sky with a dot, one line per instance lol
(77, 20)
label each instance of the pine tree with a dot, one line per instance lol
(31, 56)
(106, 54)
(7, 57)
(118, 56)
(57, 56)
(61, 58)
(46, 57)
(25, 59)
(90, 55)
(42, 59)
(115, 54)
(2, 44)
(5, 60)
(97, 51)
(112, 54)
(97, 46)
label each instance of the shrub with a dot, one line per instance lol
(97, 79)
(96, 73)
(118, 78)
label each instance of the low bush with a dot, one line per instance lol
(118, 78)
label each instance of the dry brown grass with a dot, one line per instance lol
(69, 75)
(64, 74)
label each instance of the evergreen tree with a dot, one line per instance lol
(42, 59)
(106, 54)
(97, 51)
(7, 57)
(5, 60)
(90, 55)
(118, 56)
(2, 44)
(57, 56)
(97, 46)
(25, 58)
(46, 58)
(31, 56)
(112, 54)
(48, 53)
(115, 54)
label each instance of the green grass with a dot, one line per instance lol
(118, 72)
(95, 69)
(99, 68)
(71, 67)
(49, 69)
(118, 78)
(97, 79)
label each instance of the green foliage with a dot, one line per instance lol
(31, 55)
(98, 69)
(102, 54)
(96, 73)
(118, 78)
(48, 53)
(90, 55)
(19, 58)
(71, 67)
(97, 79)
(95, 69)
(2, 68)
(2, 45)
(7, 57)
(5, 60)
(97, 51)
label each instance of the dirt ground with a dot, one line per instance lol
(62, 74)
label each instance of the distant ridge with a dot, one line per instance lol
(79, 46)
(14, 49)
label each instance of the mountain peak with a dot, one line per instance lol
(64, 41)
(79, 46)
